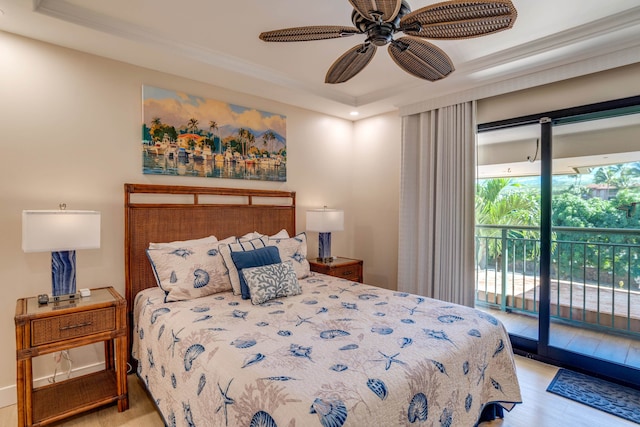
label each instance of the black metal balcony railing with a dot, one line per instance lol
(595, 274)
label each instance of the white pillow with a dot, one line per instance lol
(282, 234)
(179, 243)
(228, 240)
(190, 271)
(271, 281)
(294, 249)
(250, 236)
(226, 250)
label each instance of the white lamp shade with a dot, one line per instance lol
(60, 230)
(325, 220)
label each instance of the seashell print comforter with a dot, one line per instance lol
(339, 354)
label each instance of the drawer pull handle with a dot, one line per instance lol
(79, 325)
(346, 273)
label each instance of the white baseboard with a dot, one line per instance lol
(8, 395)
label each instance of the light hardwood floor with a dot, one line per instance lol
(539, 408)
(604, 345)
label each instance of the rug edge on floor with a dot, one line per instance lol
(630, 414)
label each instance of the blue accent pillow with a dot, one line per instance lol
(255, 258)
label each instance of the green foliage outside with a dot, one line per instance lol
(582, 254)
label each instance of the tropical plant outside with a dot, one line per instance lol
(601, 201)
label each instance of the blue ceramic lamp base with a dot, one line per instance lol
(63, 275)
(324, 247)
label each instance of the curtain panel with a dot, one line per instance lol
(437, 204)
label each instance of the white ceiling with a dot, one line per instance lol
(216, 42)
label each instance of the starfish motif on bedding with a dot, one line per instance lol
(412, 311)
(302, 320)
(147, 303)
(482, 368)
(226, 400)
(389, 360)
(175, 338)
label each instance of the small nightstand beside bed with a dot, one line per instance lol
(332, 352)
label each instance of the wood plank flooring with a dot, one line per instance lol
(609, 346)
(539, 408)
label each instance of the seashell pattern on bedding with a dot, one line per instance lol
(339, 354)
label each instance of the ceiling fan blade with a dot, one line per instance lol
(303, 34)
(420, 58)
(350, 63)
(386, 10)
(459, 19)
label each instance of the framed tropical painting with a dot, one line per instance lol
(189, 135)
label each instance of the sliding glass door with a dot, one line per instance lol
(559, 260)
(508, 226)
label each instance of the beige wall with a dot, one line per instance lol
(70, 132)
(598, 87)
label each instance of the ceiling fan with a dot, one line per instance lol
(380, 20)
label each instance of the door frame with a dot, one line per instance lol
(540, 349)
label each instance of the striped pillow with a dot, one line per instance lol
(226, 250)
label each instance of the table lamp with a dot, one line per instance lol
(325, 221)
(61, 232)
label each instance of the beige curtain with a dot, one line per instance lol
(436, 241)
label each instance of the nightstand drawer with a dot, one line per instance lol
(56, 328)
(344, 268)
(348, 272)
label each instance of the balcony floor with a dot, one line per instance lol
(591, 304)
(609, 346)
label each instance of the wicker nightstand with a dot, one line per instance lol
(345, 268)
(45, 329)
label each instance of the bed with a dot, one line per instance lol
(330, 353)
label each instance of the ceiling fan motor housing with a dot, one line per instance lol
(379, 32)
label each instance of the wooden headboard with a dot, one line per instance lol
(164, 213)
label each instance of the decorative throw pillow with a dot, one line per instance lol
(255, 258)
(190, 271)
(294, 249)
(239, 247)
(180, 243)
(271, 281)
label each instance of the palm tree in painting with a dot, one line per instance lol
(242, 132)
(192, 126)
(251, 139)
(156, 123)
(213, 127)
(268, 137)
(246, 139)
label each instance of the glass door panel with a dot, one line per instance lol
(595, 269)
(507, 227)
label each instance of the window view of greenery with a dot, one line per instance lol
(596, 226)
